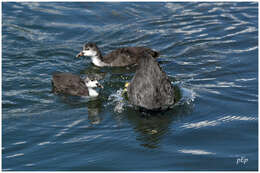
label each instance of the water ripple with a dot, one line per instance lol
(82, 139)
(19, 143)
(15, 155)
(217, 122)
(196, 152)
(208, 49)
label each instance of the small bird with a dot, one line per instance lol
(150, 88)
(120, 57)
(67, 83)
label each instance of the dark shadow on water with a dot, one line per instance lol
(92, 105)
(93, 71)
(94, 108)
(115, 71)
(151, 126)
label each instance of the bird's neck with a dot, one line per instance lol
(97, 60)
(92, 92)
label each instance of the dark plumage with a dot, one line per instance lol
(118, 58)
(150, 87)
(67, 83)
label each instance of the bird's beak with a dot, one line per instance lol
(79, 54)
(100, 86)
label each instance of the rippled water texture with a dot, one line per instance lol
(208, 49)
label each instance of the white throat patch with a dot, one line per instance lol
(96, 61)
(92, 92)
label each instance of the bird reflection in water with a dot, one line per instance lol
(94, 108)
(150, 128)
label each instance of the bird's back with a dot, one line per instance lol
(150, 88)
(67, 83)
(127, 55)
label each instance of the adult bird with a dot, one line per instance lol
(150, 88)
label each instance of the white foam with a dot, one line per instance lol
(118, 100)
(187, 96)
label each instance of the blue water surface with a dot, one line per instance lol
(208, 49)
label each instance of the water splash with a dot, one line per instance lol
(118, 100)
(187, 96)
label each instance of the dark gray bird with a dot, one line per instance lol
(150, 87)
(118, 58)
(67, 83)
